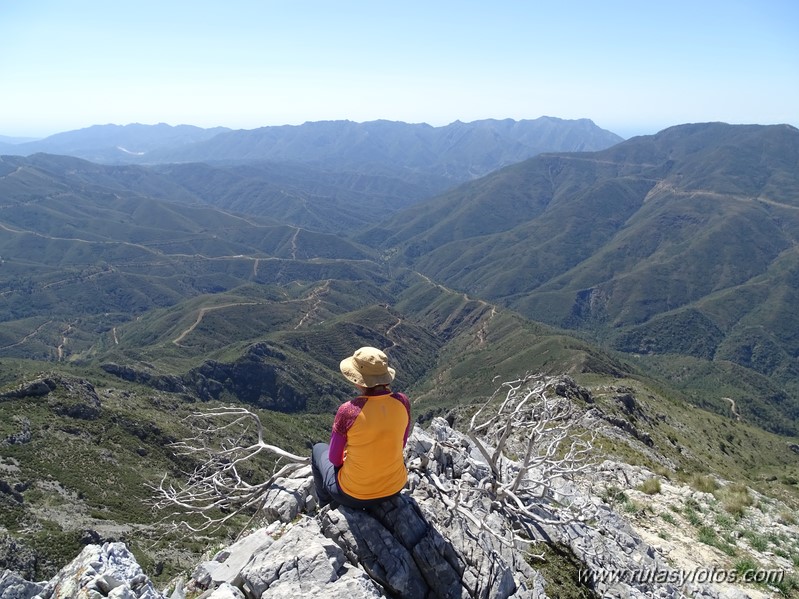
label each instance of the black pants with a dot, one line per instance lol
(326, 481)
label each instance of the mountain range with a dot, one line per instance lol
(456, 152)
(662, 264)
(683, 243)
(680, 244)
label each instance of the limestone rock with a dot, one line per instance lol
(162, 382)
(227, 565)
(367, 543)
(418, 544)
(76, 398)
(107, 570)
(23, 436)
(13, 586)
(66, 396)
(36, 388)
(226, 591)
(16, 556)
(303, 563)
(287, 497)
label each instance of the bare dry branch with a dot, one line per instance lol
(526, 419)
(527, 434)
(216, 491)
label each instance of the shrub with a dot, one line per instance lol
(692, 515)
(776, 539)
(560, 567)
(734, 498)
(724, 521)
(788, 587)
(703, 483)
(758, 542)
(650, 486)
(613, 495)
(707, 535)
(745, 564)
(692, 504)
(633, 507)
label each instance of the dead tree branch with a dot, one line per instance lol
(530, 440)
(216, 491)
(540, 428)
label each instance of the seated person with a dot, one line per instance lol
(364, 463)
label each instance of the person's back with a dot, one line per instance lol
(364, 462)
(375, 431)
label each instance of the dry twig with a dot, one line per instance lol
(216, 491)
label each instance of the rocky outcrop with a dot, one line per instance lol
(23, 435)
(408, 546)
(262, 376)
(66, 396)
(13, 586)
(415, 545)
(16, 557)
(162, 382)
(78, 399)
(316, 567)
(36, 388)
(107, 570)
(251, 380)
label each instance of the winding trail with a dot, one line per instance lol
(28, 336)
(481, 332)
(60, 348)
(77, 239)
(391, 330)
(666, 187)
(733, 408)
(316, 296)
(201, 315)
(578, 158)
(294, 244)
(393, 326)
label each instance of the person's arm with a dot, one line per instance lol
(345, 416)
(407, 403)
(336, 453)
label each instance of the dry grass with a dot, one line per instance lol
(734, 498)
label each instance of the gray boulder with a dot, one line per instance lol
(415, 545)
(289, 496)
(227, 564)
(13, 586)
(303, 563)
(226, 591)
(107, 570)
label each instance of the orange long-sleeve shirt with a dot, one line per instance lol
(375, 429)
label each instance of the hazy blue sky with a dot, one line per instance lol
(631, 67)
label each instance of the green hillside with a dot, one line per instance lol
(683, 243)
(661, 275)
(257, 348)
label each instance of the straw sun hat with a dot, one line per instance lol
(367, 367)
